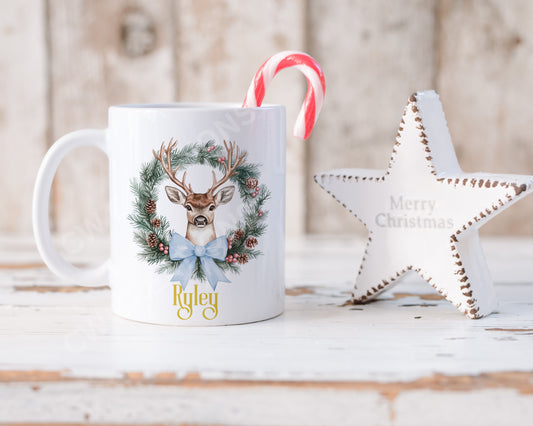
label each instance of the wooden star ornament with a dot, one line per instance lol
(423, 213)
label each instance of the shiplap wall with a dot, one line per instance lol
(63, 62)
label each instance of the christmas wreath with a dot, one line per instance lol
(153, 231)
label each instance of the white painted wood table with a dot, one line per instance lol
(408, 359)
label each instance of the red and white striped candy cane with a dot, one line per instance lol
(316, 87)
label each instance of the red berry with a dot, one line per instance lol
(166, 247)
(165, 252)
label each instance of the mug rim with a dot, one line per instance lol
(192, 106)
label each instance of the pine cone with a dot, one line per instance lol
(152, 240)
(239, 234)
(243, 258)
(251, 182)
(150, 206)
(251, 242)
(156, 223)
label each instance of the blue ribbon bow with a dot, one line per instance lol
(182, 249)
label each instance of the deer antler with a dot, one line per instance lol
(167, 165)
(230, 166)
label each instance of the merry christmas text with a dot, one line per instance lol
(188, 302)
(409, 204)
(407, 212)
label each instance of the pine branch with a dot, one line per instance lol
(225, 266)
(198, 272)
(167, 267)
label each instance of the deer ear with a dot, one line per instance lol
(225, 195)
(175, 195)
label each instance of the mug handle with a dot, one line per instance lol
(41, 199)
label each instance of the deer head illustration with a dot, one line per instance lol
(200, 206)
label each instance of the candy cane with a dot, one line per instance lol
(316, 87)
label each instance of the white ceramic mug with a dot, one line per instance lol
(198, 240)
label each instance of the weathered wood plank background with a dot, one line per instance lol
(62, 62)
